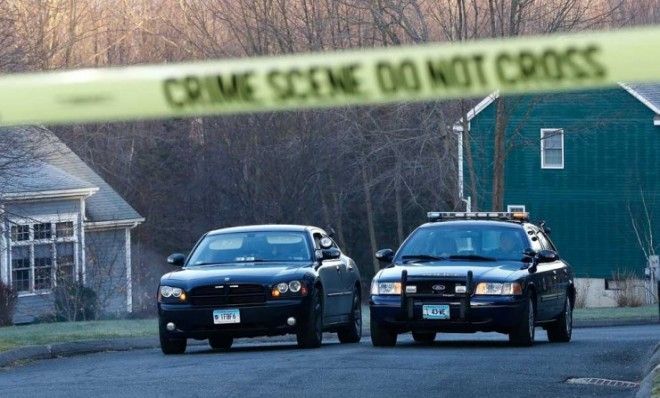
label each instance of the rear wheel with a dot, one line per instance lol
(523, 333)
(562, 329)
(423, 337)
(221, 342)
(352, 333)
(381, 336)
(170, 345)
(310, 333)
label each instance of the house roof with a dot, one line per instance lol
(43, 177)
(58, 168)
(647, 93)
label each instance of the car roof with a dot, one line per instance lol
(494, 223)
(263, 227)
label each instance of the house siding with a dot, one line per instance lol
(610, 159)
(106, 256)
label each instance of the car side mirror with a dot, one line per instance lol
(331, 253)
(546, 256)
(176, 259)
(385, 256)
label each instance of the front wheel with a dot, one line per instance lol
(310, 332)
(523, 333)
(352, 333)
(170, 345)
(381, 336)
(561, 330)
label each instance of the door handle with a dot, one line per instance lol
(338, 269)
(349, 267)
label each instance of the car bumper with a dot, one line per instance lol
(483, 314)
(268, 319)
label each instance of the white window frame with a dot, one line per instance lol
(53, 241)
(543, 165)
(515, 208)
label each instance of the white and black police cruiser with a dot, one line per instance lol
(464, 272)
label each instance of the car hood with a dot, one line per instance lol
(495, 271)
(236, 273)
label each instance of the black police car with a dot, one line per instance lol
(469, 272)
(256, 281)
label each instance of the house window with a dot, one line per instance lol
(42, 231)
(64, 229)
(41, 260)
(65, 261)
(20, 232)
(20, 268)
(552, 148)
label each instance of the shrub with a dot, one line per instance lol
(75, 302)
(8, 299)
(627, 289)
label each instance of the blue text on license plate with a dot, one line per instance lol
(226, 316)
(435, 312)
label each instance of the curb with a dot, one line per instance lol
(75, 348)
(614, 322)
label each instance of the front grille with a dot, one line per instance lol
(228, 294)
(425, 288)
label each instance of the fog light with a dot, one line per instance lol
(170, 326)
(291, 321)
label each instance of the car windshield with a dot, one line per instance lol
(249, 247)
(472, 242)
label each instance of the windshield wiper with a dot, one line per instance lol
(421, 257)
(473, 257)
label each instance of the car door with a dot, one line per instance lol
(542, 280)
(560, 277)
(330, 273)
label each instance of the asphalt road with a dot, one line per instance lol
(455, 366)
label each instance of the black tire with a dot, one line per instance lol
(523, 334)
(381, 336)
(310, 332)
(170, 345)
(221, 342)
(352, 333)
(561, 330)
(424, 337)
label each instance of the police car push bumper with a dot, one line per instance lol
(464, 312)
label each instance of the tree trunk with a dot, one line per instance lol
(499, 155)
(398, 201)
(370, 217)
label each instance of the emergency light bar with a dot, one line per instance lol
(434, 216)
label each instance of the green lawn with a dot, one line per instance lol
(623, 313)
(46, 333)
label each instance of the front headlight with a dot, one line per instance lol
(172, 292)
(498, 289)
(383, 288)
(293, 288)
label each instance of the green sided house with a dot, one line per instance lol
(60, 222)
(588, 163)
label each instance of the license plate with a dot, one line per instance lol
(226, 316)
(435, 312)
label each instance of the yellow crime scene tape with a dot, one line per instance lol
(331, 79)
